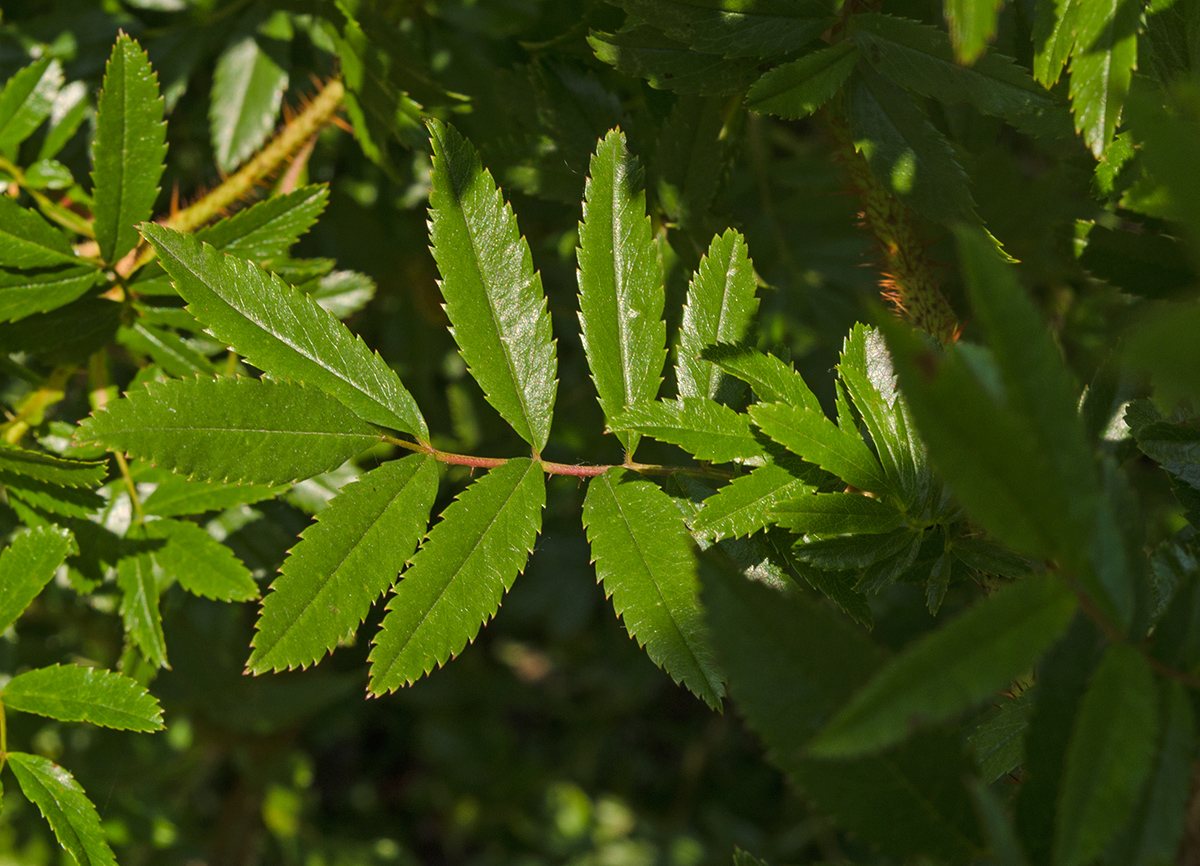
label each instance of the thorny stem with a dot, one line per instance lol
(909, 278)
(550, 468)
(290, 140)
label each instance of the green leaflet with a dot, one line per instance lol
(813, 437)
(493, 295)
(284, 331)
(175, 496)
(921, 58)
(28, 241)
(643, 555)
(742, 506)
(27, 565)
(837, 586)
(1055, 24)
(705, 429)
(68, 501)
(1102, 64)
(720, 308)
(23, 293)
(999, 742)
(836, 513)
(268, 228)
(232, 429)
(454, 584)
(129, 151)
(972, 25)
(997, 824)
(202, 565)
(906, 153)
(773, 380)
(51, 469)
(65, 807)
(690, 158)
(797, 89)
(75, 693)
(67, 112)
(952, 668)
(643, 51)
(620, 284)
(1110, 756)
(26, 101)
(343, 563)
(734, 28)
(138, 580)
(341, 292)
(166, 349)
(247, 90)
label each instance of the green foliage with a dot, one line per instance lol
(920, 571)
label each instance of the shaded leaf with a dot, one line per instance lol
(494, 297)
(1054, 27)
(232, 429)
(283, 331)
(773, 380)
(643, 51)
(797, 89)
(65, 807)
(758, 29)
(643, 555)
(138, 580)
(837, 586)
(247, 92)
(25, 292)
(28, 241)
(972, 25)
(51, 469)
(75, 693)
(129, 151)
(813, 437)
(705, 429)
(27, 565)
(1102, 65)
(843, 553)
(202, 565)
(27, 99)
(166, 349)
(999, 741)
(836, 513)
(742, 506)
(468, 561)
(620, 284)
(345, 560)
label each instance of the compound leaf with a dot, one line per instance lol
(75, 693)
(494, 297)
(836, 513)
(773, 380)
(620, 284)
(202, 565)
(468, 561)
(137, 578)
(65, 807)
(643, 555)
(130, 149)
(284, 331)
(953, 668)
(813, 437)
(247, 92)
(27, 565)
(797, 89)
(27, 100)
(734, 28)
(345, 560)
(270, 227)
(646, 52)
(704, 428)
(1110, 755)
(232, 429)
(28, 241)
(720, 307)
(742, 506)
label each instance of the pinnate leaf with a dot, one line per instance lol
(813, 437)
(493, 295)
(28, 241)
(129, 151)
(1054, 27)
(283, 331)
(773, 380)
(742, 506)
(953, 668)
(65, 807)
(138, 580)
(268, 228)
(175, 496)
(27, 99)
(646, 52)
(1110, 755)
(1102, 65)
(247, 92)
(720, 308)
(468, 561)
(620, 284)
(736, 28)
(27, 565)
(345, 560)
(836, 513)
(797, 89)
(75, 693)
(202, 565)
(51, 469)
(232, 429)
(705, 429)
(24, 293)
(644, 558)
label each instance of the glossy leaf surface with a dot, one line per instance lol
(812, 436)
(705, 429)
(268, 228)
(773, 380)
(742, 506)
(65, 807)
(75, 693)
(247, 91)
